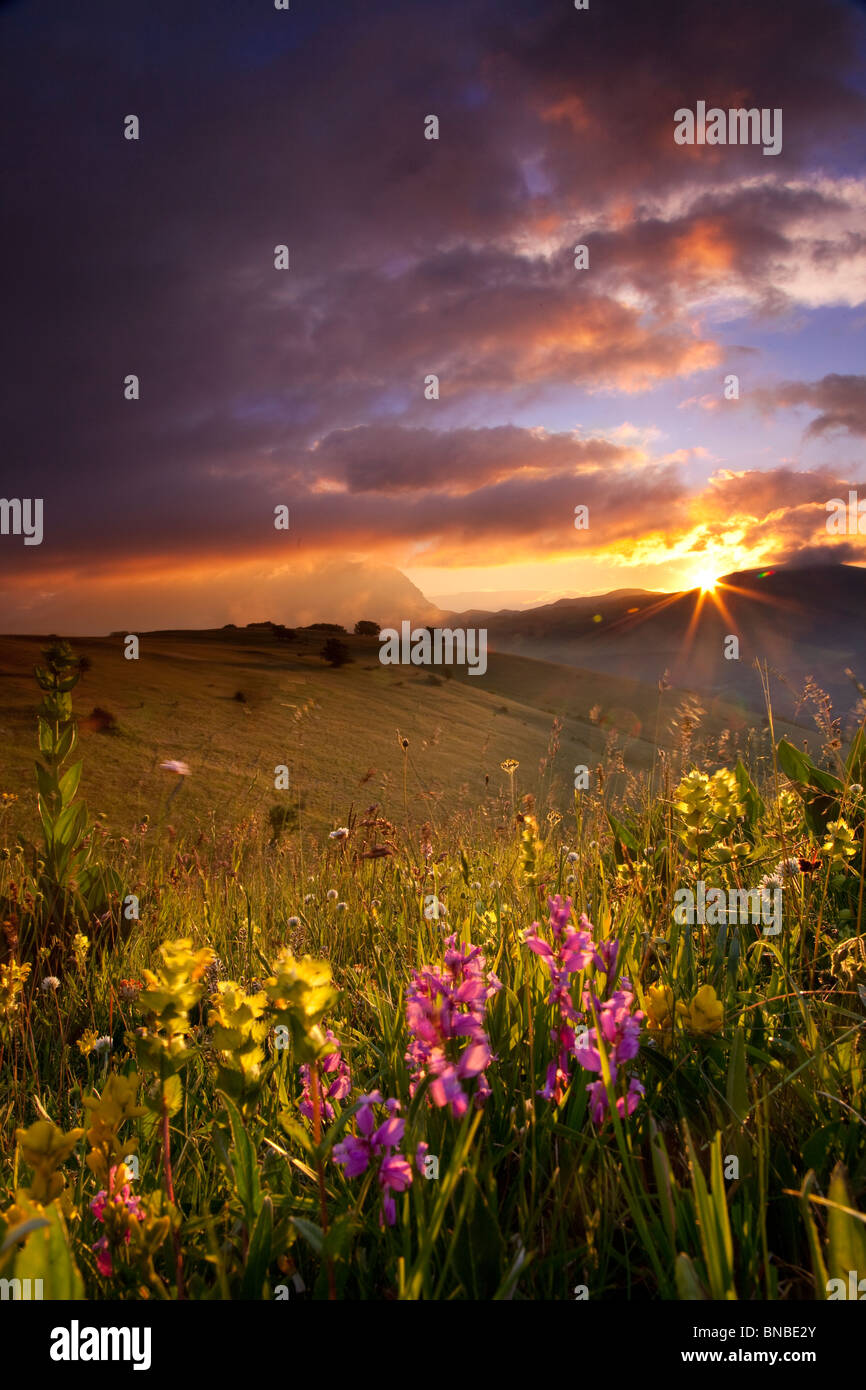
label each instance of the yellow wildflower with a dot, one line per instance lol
(87, 1042)
(45, 1147)
(660, 1008)
(705, 1012)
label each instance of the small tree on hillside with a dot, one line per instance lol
(365, 628)
(335, 652)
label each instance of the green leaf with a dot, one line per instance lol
(47, 821)
(259, 1253)
(737, 1089)
(846, 1234)
(245, 1167)
(47, 1256)
(66, 743)
(70, 824)
(749, 795)
(689, 1286)
(310, 1232)
(622, 837)
(69, 781)
(20, 1231)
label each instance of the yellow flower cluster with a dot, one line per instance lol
(705, 1013)
(13, 978)
(169, 995)
(299, 993)
(107, 1114)
(44, 1147)
(709, 807)
(840, 843)
(238, 1027)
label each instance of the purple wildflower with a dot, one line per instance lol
(377, 1144)
(122, 1199)
(445, 1014)
(571, 953)
(338, 1089)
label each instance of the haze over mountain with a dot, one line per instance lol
(803, 621)
(297, 592)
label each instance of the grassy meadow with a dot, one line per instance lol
(425, 1023)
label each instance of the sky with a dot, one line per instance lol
(308, 387)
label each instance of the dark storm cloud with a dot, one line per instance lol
(840, 402)
(407, 256)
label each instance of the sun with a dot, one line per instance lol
(707, 583)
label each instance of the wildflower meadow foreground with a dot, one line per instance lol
(476, 1061)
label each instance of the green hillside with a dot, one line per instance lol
(335, 729)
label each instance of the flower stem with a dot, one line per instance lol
(317, 1139)
(169, 1187)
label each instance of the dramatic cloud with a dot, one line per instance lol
(410, 258)
(839, 400)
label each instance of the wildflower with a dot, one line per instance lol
(130, 989)
(308, 898)
(660, 1008)
(705, 1012)
(87, 1042)
(620, 1027)
(50, 982)
(300, 992)
(294, 922)
(45, 1147)
(13, 978)
(771, 881)
(571, 858)
(332, 1064)
(341, 833)
(107, 1113)
(342, 907)
(570, 953)
(625, 1105)
(445, 1012)
(788, 868)
(120, 1206)
(332, 895)
(840, 842)
(80, 949)
(180, 768)
(102, 1044)
(373, 1145)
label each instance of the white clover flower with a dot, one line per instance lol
(571, 858)
(570, 879)
(50, 982)
(332, 895)
(856, 789)
(342, 907)
(102, 1044)
(309, 897)
(771, 881)
(294, 921)
(341, 833)
(788, 868)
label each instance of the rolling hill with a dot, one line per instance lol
(236, 703)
